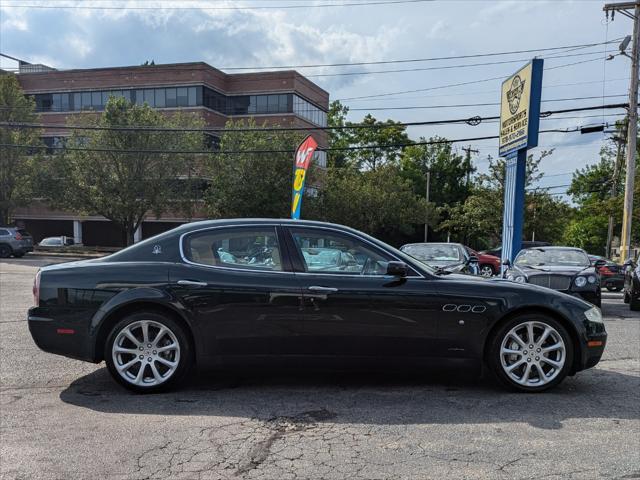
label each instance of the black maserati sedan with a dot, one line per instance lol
(246, 291)
(565, 269)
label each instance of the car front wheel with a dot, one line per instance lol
(486, 270)
(531, 353)
(148, 352)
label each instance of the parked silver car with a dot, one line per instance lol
(14, 241)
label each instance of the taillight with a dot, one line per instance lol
(605, 271)
(36, 290)
(18, 236)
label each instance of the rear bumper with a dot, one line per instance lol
(61, 338)
(613, 282)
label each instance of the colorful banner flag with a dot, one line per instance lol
(302, 161)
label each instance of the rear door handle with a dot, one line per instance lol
(191, 283)
(316, 288)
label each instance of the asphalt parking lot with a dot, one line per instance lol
(64, 419)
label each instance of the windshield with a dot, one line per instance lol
(433, 252)
(556, 256)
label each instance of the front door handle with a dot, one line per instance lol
(316, 288)
(191, 283)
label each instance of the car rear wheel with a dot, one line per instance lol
(18, 254)
(486, 270)
(5, 251)
(148, 352)
(531, 353)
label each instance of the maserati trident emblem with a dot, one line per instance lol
(514, 94)
(157, 250)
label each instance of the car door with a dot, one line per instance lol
(238, 286)
(352, 308)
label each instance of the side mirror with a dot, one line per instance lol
(506, 262)
(397, 269)
(599, 263)
(472, 259)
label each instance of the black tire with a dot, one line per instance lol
(486, 267)
(495, 362)
(5, 251)
(185, 352)
(634, 303)
(614, 289)
(18, 255)
(626, 298)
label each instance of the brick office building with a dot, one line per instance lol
(284, 98)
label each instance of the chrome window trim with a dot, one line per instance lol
(321, 227)
(275, 226)
(220, 267)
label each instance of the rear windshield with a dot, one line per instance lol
(23, 232)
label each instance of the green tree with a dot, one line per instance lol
(380, 202)
(480, 216)
(17, 164)
(125, 175)
(591, 191)
(254, 184)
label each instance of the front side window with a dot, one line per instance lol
(333, 253)
(245, 248)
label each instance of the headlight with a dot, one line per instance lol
(580, 281)
(591, 279)
(594, 315)
(520, 279)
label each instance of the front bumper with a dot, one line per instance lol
(592, 353)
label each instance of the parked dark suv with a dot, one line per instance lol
(14, 241)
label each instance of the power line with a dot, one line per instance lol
(471, 120)
(415, 60)
(420, 107)
(442, 67)
(262, 7)
(460, 84)
(243, 152)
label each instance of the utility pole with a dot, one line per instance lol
(426, 220)
(467, 162)
(620, 141)
(630, 10)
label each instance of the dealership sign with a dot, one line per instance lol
(520, 108)
(519, 123)
(302, 160)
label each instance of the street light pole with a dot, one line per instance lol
(625, 8)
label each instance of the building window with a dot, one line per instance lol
(171, 97)
(192, 97)
(161, 98)
(183, 97)
(149, 98)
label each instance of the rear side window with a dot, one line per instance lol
(23, 232)
(4, 232)
(245, 248)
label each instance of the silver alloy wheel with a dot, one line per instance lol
(486, 271)
(146, 353)
(532, 354)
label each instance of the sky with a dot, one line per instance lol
(225, 36)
